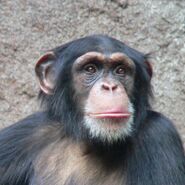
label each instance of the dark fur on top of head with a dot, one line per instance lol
(62, 105)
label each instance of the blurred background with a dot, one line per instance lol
(28, 28)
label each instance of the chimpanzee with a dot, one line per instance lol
(96, 126)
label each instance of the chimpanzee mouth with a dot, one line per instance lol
(110, 115)
(110, 120)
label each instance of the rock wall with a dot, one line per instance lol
(28, 28)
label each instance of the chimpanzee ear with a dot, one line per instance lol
(149, 68)
(46, 72)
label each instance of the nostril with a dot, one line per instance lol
(106, 87)
(109, 87)
(114, 87)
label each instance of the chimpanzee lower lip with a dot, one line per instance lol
(110, 115)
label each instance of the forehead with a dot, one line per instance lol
(101, 44)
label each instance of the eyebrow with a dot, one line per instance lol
(90, 56)
(97, 56)
(121, 57)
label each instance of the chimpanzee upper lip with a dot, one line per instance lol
(110, 115)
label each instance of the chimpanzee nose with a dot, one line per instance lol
(109, 86)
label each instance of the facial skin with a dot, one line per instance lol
(104, 85)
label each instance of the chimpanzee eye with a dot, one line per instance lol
(120, 70)
(90, 68)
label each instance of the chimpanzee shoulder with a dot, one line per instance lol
(20, 143)
(158, 149)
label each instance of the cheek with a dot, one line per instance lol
(78, 82)
(128, 83)
(80, 90)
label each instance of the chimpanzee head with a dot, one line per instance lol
(96, 86)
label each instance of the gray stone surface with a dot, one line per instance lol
(28, 28)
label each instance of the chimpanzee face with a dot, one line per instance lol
(103, 85)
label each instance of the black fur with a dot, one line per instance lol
(153, 155)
